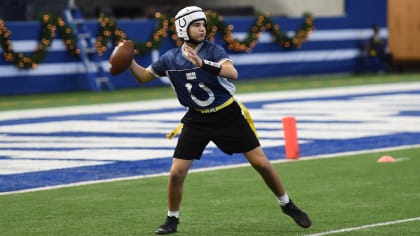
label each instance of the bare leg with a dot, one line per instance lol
(260, 162)
(179, 171)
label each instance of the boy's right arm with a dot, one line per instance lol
(141, 74)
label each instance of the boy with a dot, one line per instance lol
(200, 74)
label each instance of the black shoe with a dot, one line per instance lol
(300, 217)
(169, 227)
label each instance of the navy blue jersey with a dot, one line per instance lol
(194, 87)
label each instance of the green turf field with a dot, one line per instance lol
(338, 193)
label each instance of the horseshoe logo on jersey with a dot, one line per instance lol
(202, 103)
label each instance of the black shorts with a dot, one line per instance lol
(227, 128)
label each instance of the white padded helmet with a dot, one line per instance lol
(185, 17)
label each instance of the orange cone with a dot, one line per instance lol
(386, 158)
(290, 138)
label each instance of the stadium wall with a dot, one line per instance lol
(333, 47)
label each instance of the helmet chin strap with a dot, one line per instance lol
(193, 41)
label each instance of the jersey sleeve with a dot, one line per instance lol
(158, 68)
(219, 54)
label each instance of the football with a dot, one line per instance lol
(121, 57)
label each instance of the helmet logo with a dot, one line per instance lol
(182, 23)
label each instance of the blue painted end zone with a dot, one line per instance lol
(117, 169)
(127, 140)
(122, 169)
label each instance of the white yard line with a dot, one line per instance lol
(366, 226)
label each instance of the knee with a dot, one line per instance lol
(177, 175)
